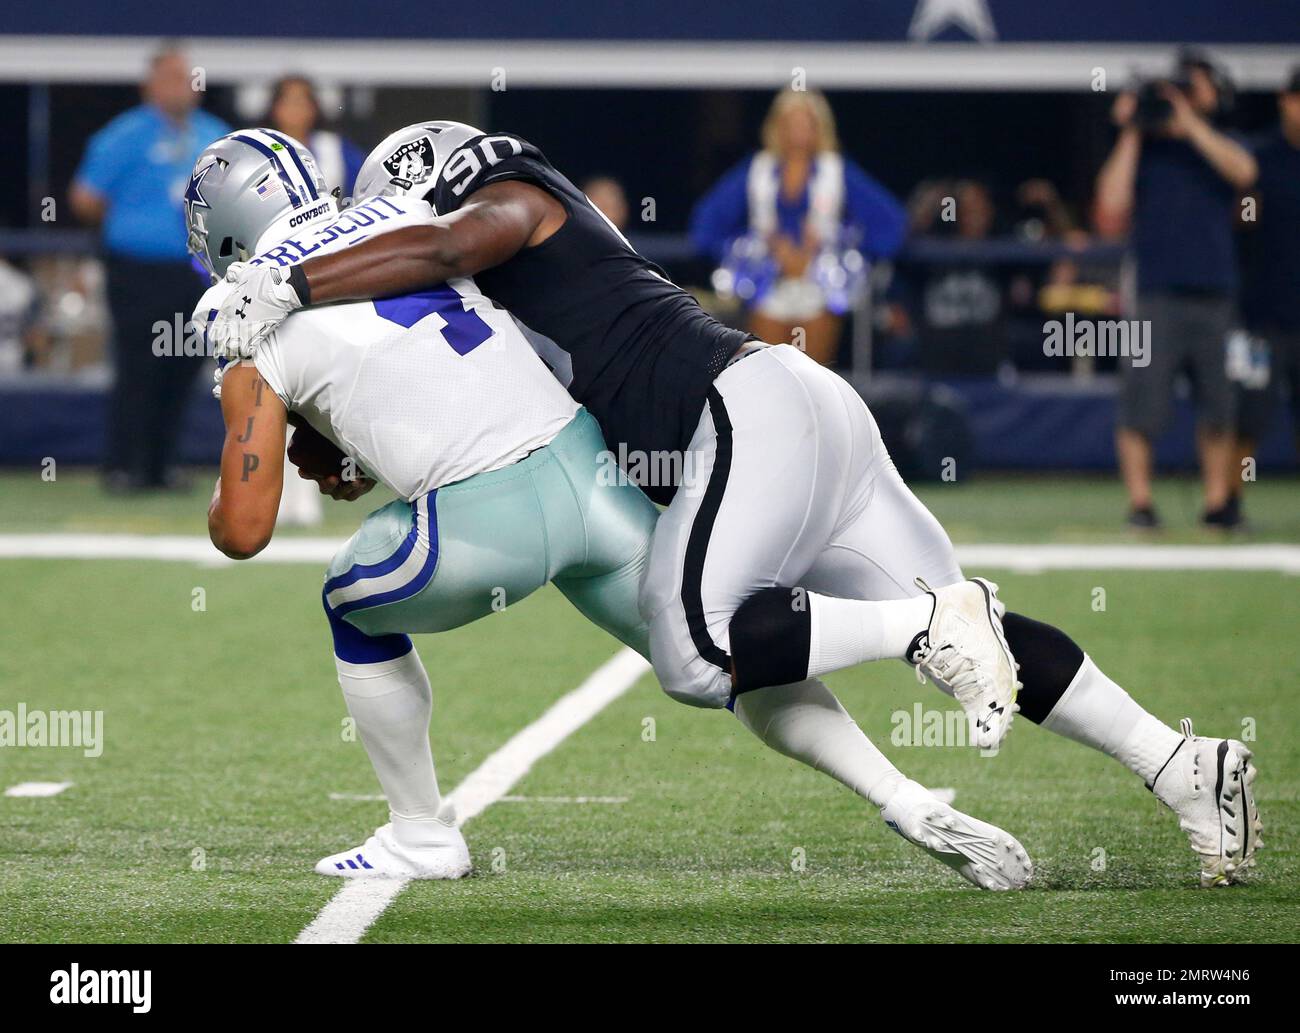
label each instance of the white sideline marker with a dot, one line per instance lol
(37, 788)
(356, 906)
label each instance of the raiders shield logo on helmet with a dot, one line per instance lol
(411, 163)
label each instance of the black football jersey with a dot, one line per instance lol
(640, 352)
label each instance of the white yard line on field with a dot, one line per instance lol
(176, 547)
(356, 906)
(378, 797)
(1021, 558)
(564, 799)
(37, 788)
(1030, 559)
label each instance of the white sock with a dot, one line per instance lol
(852, 631)
(391, 703)
(1098, 713)
(805, 721)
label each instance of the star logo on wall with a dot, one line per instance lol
(933, 16)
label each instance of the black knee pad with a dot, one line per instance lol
(771, 633)
(1048, 658)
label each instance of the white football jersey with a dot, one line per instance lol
(422, 390)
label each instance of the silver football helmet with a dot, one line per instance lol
(409, 161)
(242, 186)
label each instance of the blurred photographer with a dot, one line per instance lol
(1270, 305)
(1174, 179)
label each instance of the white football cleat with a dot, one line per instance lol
(965, 650)
(1209, 784)
(442, 854)
(981, 853)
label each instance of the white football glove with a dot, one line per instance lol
(260, 298)
(204, 313)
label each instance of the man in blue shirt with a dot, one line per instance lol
(1174, 178)
(132, 183)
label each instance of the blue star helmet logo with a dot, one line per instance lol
(194, 192)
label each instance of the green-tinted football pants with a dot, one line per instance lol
(564, 513)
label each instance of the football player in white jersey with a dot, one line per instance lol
(440, 397)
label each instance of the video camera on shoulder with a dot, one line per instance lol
(1193, 68)
(1153, 107)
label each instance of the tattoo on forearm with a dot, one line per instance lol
(258, 384)
(248, 432)
(251, 463)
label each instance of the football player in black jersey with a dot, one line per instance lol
(790, 546)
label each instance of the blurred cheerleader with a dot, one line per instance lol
(795, 225)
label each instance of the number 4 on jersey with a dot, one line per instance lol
(464, 329)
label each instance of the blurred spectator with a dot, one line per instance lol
(959, 305)
(1176, 178)
(1086, 290)
(1041, 215)
(961, 208)
(132, 182)
(792, 223)
(19, 305)
(606, 193)
(73, 323)
(295, 110)
(1270, 304)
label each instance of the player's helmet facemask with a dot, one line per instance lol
(243, 187)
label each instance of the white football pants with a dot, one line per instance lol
(787, 484)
